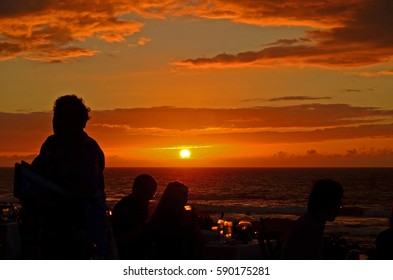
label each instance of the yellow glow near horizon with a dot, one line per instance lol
(185, 153)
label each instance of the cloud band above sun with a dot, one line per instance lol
(170, 126)
(309, 134)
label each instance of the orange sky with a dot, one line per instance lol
(238, 83)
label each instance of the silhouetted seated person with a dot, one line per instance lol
(305, 240)
(69, 226)
(174, 231)
(129, 217)
(384, 242)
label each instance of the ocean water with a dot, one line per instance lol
(269, 192)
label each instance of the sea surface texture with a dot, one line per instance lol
(254, 192)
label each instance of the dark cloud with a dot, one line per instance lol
(351, 34)
(306, 115)
(353, 90)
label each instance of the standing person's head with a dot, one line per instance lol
(144, 187)
(325, 199)
(70, 115)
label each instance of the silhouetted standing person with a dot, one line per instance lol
(129, 217)
(71, 226)
(305, 240)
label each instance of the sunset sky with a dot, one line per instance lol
(239, 83)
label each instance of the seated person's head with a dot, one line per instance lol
(70, 115)
(325, 199)
(175, 195)
(144, 187)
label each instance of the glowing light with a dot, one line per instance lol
(185, 153)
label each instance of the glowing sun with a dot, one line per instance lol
(185, 153)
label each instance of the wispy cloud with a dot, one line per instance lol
(377, 73)
(143, 41)
(322, 14)
(288, 98)
(356, 91)
(184, 147)
(298, 98)
(364, 158)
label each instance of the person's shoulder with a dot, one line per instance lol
(307, 226)
(125, 200)
(50, 141)
(90, 140)
(121, 204)
(91, 143)
(385, 234)
(384, 245)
